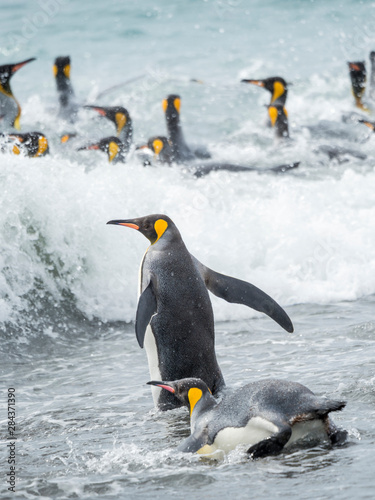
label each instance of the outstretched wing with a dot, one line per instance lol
(147, 307)
(241, 292)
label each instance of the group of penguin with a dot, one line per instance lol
(170, 149)
(174, 317)
(175, 325)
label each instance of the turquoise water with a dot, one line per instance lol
(68, 282)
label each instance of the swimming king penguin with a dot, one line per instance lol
(174, 318)
(32, 144)
(181, 151)
(276, 85)
(357, 73)
(265, 415)
(161, 148)
(10, 110)
(68, 105)
(112, 146)
(372, 75)
(121, 119)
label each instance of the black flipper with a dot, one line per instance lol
(147, 307)
(272, 445)
(193, 443)
(241, 292)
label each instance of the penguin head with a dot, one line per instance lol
(171, 108)
(192, 392)
(370, 125)
(7, 71)
(34, 144)
(155, 227)
(161, 148)
(110, 145)
(61, 68)
(117, 114)
(275, 84)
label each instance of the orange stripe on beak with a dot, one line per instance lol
(129, 224)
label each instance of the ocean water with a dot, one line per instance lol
(85, 421)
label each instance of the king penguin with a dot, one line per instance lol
(68, 105)
(10, 110)
(114, 148)
(181, 151)
(121, 119)
(163, 153)
(265, 415)
(32, 144)
(174, 318)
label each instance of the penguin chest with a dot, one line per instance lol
(8, 109)
(229, 438)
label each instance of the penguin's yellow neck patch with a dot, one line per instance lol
(16, 150)
(194, 396)
(120, 121)
(272, 111)
(54, 69)
(165, 105)
(177, 104)
(66, 71)
(278, 90)
(160, 227)
(157, 146)
(113, 150)
(42, 146)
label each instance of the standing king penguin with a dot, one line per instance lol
(68, 106)
(267, 415)
(174, 319)
(10, 110)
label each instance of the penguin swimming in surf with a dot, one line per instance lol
(174, 319)
(121, 119)
(114, 148)
(10, 109)
(265, 415)
(163, 153)
(32, 144)
(357, 73)
(68, 105)
(181, 151)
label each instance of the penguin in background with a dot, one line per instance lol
(112, 146)
(174, 318)
(372, 76)
(163, 153)
(10, 109)
(68, 105)
(32, 144)
(181, 151)
(120, 117)
(266, 415)
(357, 73)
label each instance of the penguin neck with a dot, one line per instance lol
(176, 136)
(126, 136)
(205, 404)
(281, 99)
(65, 90)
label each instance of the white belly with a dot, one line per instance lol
(153, 362)
(256, 430)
